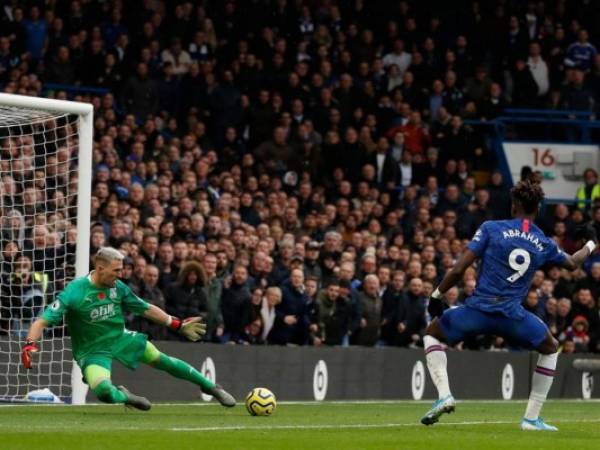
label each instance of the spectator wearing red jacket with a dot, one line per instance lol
(416, 136)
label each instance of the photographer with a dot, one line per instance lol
(27, 292)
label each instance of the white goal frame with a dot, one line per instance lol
(85, 112)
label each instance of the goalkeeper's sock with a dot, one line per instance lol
(437, 365)
(181, 369)
(543, 376)
(108, 393)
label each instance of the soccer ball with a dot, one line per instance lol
(260, 402)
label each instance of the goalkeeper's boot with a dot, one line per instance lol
(536, 425)
(223, 397)
(136, 401)
(441, 406)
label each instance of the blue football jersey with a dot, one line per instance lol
(510, 251)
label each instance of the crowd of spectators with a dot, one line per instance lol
(296, 172)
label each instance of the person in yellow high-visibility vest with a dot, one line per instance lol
(589, 191)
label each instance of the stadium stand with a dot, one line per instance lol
(304, 172)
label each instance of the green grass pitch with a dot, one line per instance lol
(328, 425)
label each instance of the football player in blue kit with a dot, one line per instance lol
(510, 251)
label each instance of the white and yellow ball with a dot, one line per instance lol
(260, 402)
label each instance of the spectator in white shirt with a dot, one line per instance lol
(398, 56)
(406, 170)
(180, 59)
(267, 311)
(539, 69)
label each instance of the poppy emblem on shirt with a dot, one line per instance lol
(101, 296)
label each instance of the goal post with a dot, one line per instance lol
(45, 151)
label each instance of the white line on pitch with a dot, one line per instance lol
(316, 403)
(53, 428)
(360, 426)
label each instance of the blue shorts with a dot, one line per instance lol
(465, 322)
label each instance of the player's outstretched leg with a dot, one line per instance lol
(98, 378)
(185, 371)
(135, 401)
(437, 365)
(542, 379)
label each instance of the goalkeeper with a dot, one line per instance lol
(93, 307)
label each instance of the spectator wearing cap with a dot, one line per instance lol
(296, 262)
(312, 268)
(291, 322)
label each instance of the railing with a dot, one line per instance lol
(558, 126)
(577, 125)
(73, 90)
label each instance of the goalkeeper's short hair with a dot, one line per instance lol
(107, 255)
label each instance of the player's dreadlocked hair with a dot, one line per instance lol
(528, 194)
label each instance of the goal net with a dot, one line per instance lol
(44, 144)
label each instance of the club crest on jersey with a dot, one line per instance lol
(113, 293)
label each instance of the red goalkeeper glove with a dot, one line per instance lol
(30, 347)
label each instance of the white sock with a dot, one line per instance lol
(540, 384)
(437, 365)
